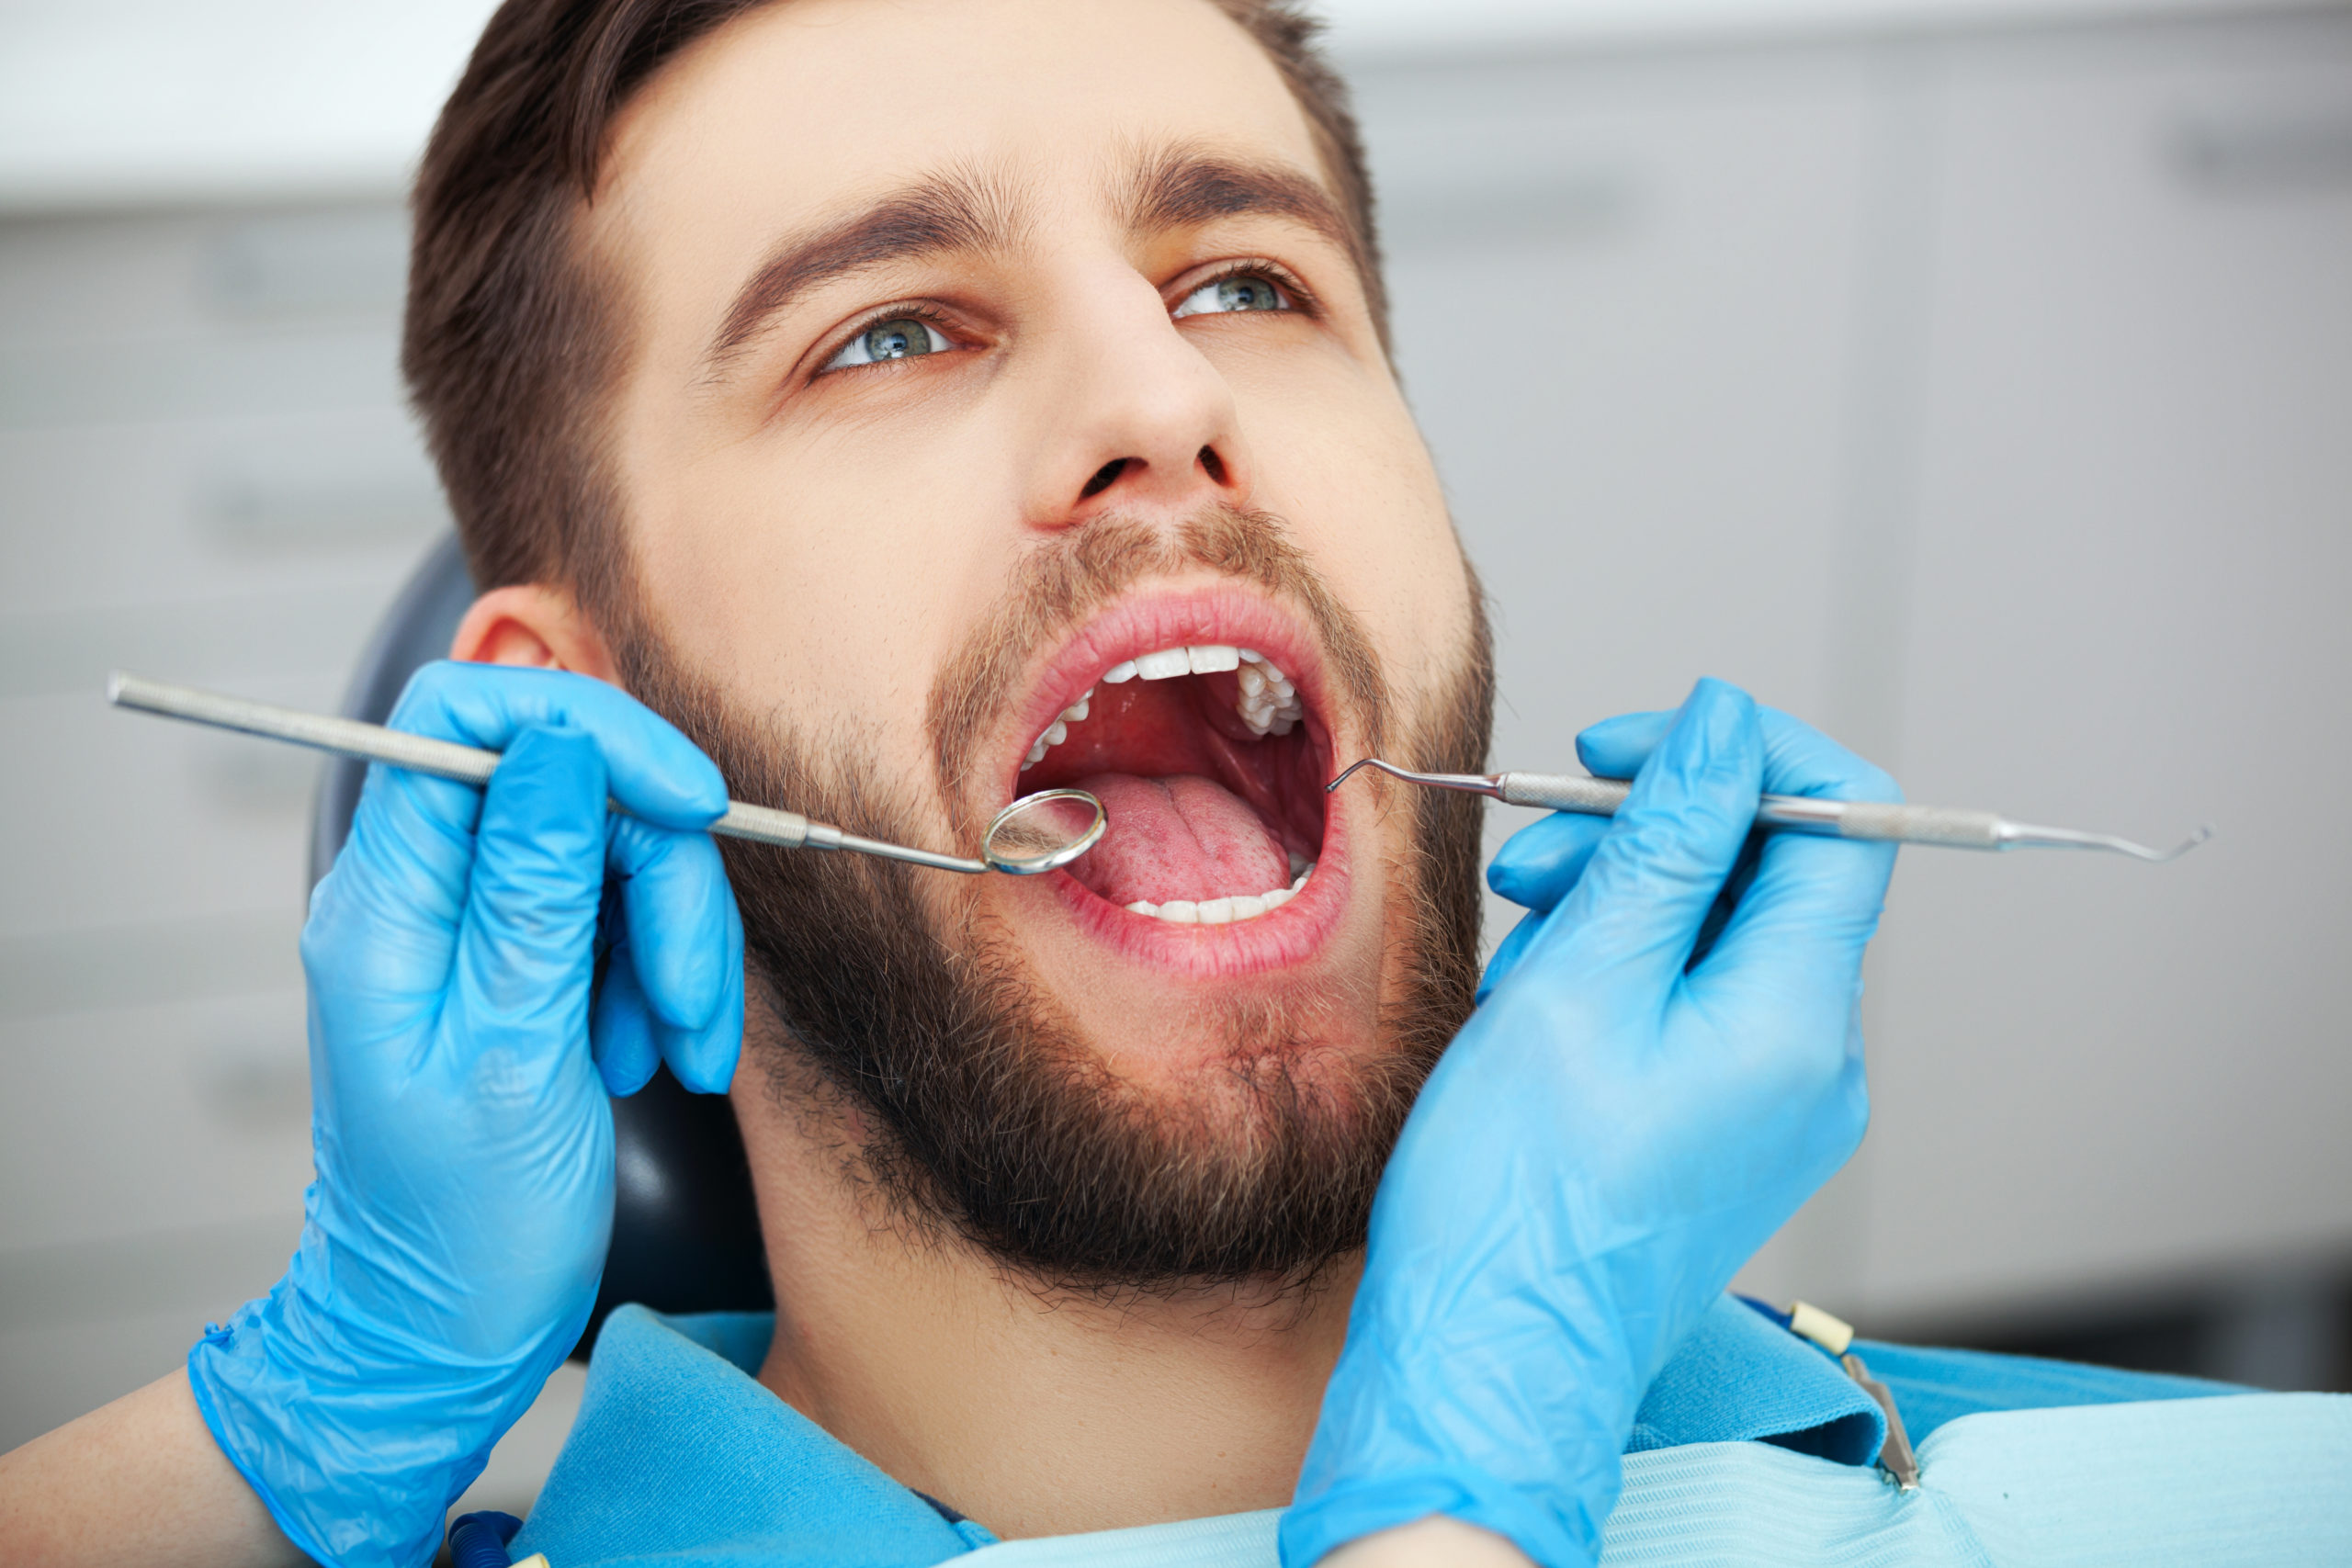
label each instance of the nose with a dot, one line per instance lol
(1134, 417)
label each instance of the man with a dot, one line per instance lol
(918, 403)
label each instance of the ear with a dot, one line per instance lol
(533, 623)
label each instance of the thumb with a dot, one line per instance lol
(1642, 901)
(1512, 949)
(1539, 865)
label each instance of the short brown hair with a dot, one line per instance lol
(510, 344)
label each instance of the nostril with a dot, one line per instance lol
(1212, 465)
(1103, 476)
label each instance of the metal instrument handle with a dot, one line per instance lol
(1885, 822)
(344, 736)
(1868, 820)
(1952, 827)
(766, 825)
(1563, 792)
(447, 760)
(1880, 822)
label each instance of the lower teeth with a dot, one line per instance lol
(1225, 911)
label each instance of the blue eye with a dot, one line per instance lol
(900, 337)
(1237, 291)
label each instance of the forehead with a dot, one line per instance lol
(805, 110)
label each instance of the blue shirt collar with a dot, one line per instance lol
(680, 1457)
(1741, 1378)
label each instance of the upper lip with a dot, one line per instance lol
(1149, 621)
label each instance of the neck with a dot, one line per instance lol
(1035, 1413)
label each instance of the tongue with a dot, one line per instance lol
(1178, 838)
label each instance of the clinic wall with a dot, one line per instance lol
(204, 473)
(2129, 564)
(1988, 399)
(1984, 397)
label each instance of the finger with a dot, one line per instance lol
(386, 915)
(685, 944)
(402, 873)
(1801, 760)
(623, 1029)
(1734, 889)
(1508, 955)
(1814, 901)
(1538, 865)
(675, 901)
(526, 943)
(1616, 748)
(406, 870)
(654, 772)
(704, 1059)
(1638, 910)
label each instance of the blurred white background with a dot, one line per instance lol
(1974, 378)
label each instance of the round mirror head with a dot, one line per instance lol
(1044, 831)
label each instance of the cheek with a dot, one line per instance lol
(821, 578)
(1349, 472)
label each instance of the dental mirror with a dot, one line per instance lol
(1044, 831)
(1037, 833)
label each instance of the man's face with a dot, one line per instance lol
(1000, 373)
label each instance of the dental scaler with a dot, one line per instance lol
(1951, 827)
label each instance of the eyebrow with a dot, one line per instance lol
(959, 213)
(942, 214)
(1184, 188)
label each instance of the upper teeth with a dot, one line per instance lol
(1267, 701)
(1058, 731)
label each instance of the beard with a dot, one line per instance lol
(973, 1103)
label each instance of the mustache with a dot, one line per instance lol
(1067, 579)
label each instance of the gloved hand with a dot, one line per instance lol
(462, 1139)
(1611, 1136)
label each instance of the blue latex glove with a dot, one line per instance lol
(460, 1131)
(1611, 1136)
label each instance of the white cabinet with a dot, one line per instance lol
(1623, 302)
(206, 474)
(1988, 401)
(2131, 562)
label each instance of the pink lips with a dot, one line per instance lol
(1283, 937)
(1228, 614)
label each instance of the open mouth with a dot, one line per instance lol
(1209, 760)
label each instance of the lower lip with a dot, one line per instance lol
(1278, 938)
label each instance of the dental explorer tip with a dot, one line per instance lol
(1348, 771)
(2204, 831)
(2155, 856)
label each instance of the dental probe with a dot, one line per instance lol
(1951, 827)
(1051, 824)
